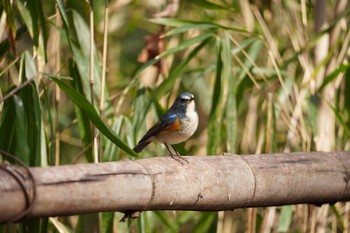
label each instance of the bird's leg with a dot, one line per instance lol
(178, 155)
(167, 147)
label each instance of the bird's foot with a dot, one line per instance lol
(179, 158)
(130, 214)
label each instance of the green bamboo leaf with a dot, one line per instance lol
(27, 19)
(323, 63)
(58, 226)
(22, 122)
(30, 97)
(142, 104)
(13, 128)
(312, 113)
(31, 225)
(142, 223)
(29, 94)
(253, 52)
(185, 44)
(206, 223)
(340, 119)
(174, 22)
(61, 77)
(43, 36)
(259, 221)
(5, 45)
(44, 222)
(83, 33)
(329, 78)
(91, 113)
(176, 72)
(271, 121)
(231, 106)
(107, 222)
(186, 27)
(9, 66)
(347, 94)
(29, 67)
(243, 45)
(87, 223)
(185, 217)
(81, 53)
(166, 221)
(110, 152)
(267, 71)
(83, 64)
(214, 125)
(22, 145)
(282, 94)
(209, 5)
(8, 7)
(129, 137)
(285, 218)
(52, 135)
(339, 216)
(83, 122)
(171, 22)
(66, 25)
(243, 80)
(63, 13)
(33, 16)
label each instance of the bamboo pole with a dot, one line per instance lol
(209, 183)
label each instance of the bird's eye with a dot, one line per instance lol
(183, 100)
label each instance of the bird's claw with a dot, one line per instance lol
(178, 158)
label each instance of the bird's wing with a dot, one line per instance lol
(164, 123)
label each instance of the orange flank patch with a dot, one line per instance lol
(174, 126)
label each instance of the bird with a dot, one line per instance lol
(176, 125)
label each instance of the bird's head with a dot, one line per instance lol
(184, 103)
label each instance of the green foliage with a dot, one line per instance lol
(214, 126)
(260, 83)
(21, 121)
(90, 112)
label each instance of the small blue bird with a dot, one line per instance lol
(176, 125)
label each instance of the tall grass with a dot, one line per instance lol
(268, 77)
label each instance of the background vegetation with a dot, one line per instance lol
(268, 76)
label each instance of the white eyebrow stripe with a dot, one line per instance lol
(187, 97)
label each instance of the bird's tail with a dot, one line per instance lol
(141, 145)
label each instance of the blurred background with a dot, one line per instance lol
(268, 76)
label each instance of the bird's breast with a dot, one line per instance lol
(182, 129)
(176, 125)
